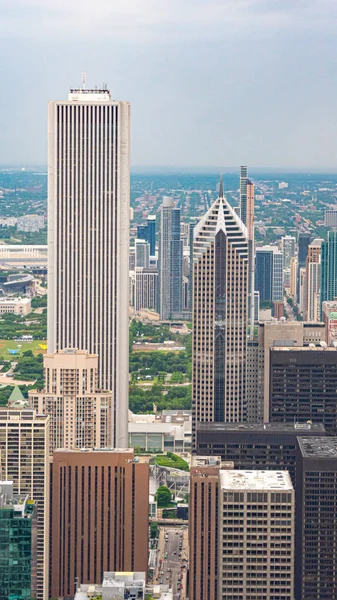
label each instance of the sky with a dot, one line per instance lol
(212, 83)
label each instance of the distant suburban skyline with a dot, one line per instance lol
(217, 82)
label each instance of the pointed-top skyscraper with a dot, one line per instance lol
(220, 315)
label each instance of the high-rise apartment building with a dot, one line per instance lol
(24, 460)
(316, 519)
(269, 274)
(304, 240)
(329, 267)
(220, 316)
(329, 318)
(88, 236)
(256, 535)
(170, 261)
(148, 233)
(330, 218)
(80, 414)
(99, 516)
(303, 384)
(293, 279)
(142, 250)
(151, 233)
(243, 194)
(17, 556)
(288, 250)
(267, 446)
(144, 289)
(313, 281)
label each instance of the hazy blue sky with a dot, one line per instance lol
(211, 83)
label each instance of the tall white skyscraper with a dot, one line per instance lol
(88, 237)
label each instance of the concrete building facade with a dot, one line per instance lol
(88, 236)
(15, 306)
(24, 460)
(256, 555)
(313, 281)
(80, 414)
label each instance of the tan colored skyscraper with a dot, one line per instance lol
(313, 281)
(88, 237)
(24, 459)
(81, 416)
(220, 316)
(100, 504)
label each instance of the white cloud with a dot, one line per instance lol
(151, 19)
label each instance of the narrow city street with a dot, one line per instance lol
(173, 560)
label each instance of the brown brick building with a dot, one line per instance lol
(203, 526)
(99, 516)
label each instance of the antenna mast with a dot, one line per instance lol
(84, 79)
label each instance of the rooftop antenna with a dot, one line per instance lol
(84, 79)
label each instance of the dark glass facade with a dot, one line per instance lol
(254, 446)
(316, 519)
(16, 557)
(264, 275)
(303, 384)
(329, 267)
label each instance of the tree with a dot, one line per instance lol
(154, 530)
(163, 496)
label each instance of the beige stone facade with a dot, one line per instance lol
(81, 416)
(24, 459)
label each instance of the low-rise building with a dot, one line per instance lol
(15, 306)
(169, 432)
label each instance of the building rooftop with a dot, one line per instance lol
(255, 480)
(320, 447)
(264, 428)
(322, 347)
(5, 300)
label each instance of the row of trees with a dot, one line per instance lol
(14, 326)
(142, 400)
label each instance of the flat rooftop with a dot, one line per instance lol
(255, 480)
(322, 347)
(320, 447)
(263, 428)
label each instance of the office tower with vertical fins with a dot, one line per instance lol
(170, 262)
(313, 281)
(99, 516)
(88, 236)
(243, 194)
(220, 316)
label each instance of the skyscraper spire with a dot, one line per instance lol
(221, 187)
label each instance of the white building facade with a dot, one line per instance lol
(88, 236)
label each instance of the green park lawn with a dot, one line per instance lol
(11, 344)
